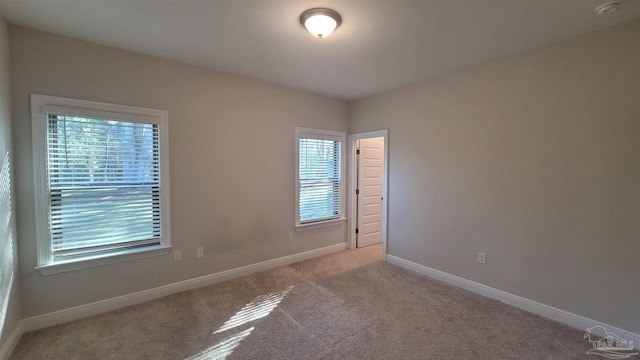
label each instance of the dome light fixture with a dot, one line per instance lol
(320, 21)
(607, 8)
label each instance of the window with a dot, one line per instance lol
(101, 183)
(319, 170)
(7, 273)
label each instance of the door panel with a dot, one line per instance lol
(372, 209)
(370, 164)
(370, 172)
(372, 190)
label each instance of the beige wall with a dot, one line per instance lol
(534, 160)
(232, 155)
(13, 309)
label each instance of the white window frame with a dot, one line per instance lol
(41, 105)
(306, 133)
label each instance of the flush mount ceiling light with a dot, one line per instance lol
(607, 8)
(320, 21)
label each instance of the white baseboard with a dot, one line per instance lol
(12, 341)
(549, 312)
(82, 311)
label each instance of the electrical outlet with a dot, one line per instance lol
(482, 258)
(200, 252)
(177, 255)
(290, 235)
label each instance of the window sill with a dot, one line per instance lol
(319, 224)
(78, 264)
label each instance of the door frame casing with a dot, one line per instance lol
(352, 169)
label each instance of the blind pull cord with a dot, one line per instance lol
(66, 151)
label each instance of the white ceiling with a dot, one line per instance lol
(380, 45)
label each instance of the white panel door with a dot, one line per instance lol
(370, 163)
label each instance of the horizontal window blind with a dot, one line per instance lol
(6, 239)
(320, 179)
(104, 185)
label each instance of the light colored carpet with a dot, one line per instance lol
(348, 305)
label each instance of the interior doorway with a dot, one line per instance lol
(368, 189)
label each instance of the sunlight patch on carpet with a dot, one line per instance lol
(224, 348)
(260, 307)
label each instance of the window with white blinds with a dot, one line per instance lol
(7, 254)
(319, 176)
(104, 182)
(104, 185)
